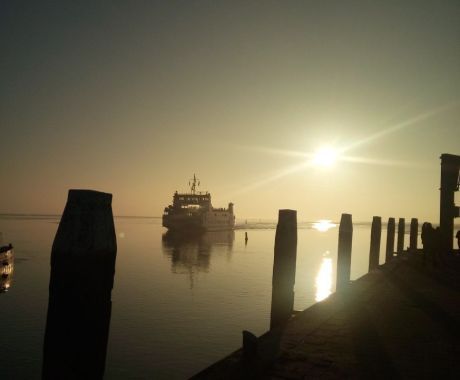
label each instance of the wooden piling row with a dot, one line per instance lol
(284, 264)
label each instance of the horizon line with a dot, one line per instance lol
(252, 219)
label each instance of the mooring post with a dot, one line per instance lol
(81, 280)
(413, 234)
(401, 231)
(284, 265)
(250, 343)
(390, 239)
(344, 251)
(450, 169)
(374, 252)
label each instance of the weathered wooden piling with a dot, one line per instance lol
(390, 239)
(344, 251)
(250, 344)
(81, 280)
(284, 266)
(401, 231)
(374, 252)
(450, 169)
(413, 234)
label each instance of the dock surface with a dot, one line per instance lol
(399, 321)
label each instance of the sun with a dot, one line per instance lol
(325, 157)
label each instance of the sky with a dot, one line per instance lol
(133, 98)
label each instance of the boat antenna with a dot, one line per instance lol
(193, 183)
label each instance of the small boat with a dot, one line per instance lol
(193, 212)
(7, 267)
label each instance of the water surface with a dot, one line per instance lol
(178, 305)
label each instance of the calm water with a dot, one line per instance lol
(177, 306)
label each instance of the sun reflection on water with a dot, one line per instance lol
(323, 225)
(323, 281)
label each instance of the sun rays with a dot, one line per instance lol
(404, 124)
(328, 156)
(263, 181)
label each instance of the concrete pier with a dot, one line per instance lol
(400, 321)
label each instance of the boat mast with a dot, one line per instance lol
(193, 183)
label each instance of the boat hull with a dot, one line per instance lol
(183, 223)
(211, 220)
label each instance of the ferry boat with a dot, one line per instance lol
(193, 212)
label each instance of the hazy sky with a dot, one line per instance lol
(134, 97)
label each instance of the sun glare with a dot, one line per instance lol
(323, 225)
(325, 157)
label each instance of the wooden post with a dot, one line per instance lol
(413, 234)
(344, 251)
(374, 252)
(401, 231)
(450, 168)
(390, 239)
(81, 280)
(284, 265)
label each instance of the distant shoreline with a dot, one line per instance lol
(53, 216)
(240, 223)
